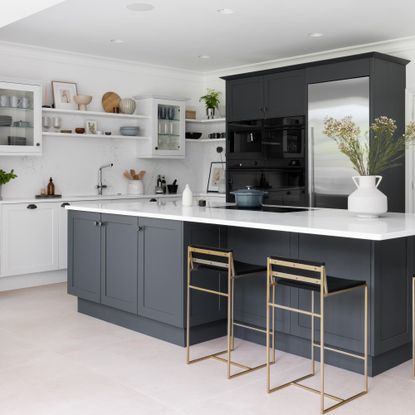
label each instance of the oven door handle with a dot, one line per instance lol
(271, 143)
(311, 167)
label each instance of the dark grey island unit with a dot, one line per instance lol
(127, 265)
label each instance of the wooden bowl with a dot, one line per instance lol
(80, 130)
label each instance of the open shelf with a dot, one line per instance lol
(214, 120)
(95, 114)
(100, 136)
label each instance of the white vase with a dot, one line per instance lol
(367, 200)
(187, 196)
(127, 106)
(135, 187)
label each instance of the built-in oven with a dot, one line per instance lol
(245, 140)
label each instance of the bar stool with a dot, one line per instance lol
(200, 257)
(413, 326)
(312, 276)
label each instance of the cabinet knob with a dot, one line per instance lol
(31, 206)
(98, 223)
(37, 144)
(140, 228)
(65, 204)
(156, 148)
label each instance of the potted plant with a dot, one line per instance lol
(212, 101)
(369, 158)
(5, 178)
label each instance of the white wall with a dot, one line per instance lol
(73, 162)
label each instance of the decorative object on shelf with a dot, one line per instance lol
(80, 130)
(135, 182)
(106, 132)
(46, 196)
(111, 102)
(5, 178)
(4, 101)
(129, 131)
(46, 122)
(56, 122)
(91, 127)
(82, 101)
(63, 94)
(212, 101)
(190, 114)
(172, 188)
(127, 106)
(193, 135)
(369, 158)
(51, 188)
(187, 196)
(14, 101)
(216, 176)
(67, 131)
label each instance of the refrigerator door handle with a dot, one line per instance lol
(311, 167)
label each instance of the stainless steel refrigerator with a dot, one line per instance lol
(329, 171)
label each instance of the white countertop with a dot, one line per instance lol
(329, 222)
(118, 196)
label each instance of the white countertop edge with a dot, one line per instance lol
(246, 224)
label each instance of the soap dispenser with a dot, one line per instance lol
(187, 197)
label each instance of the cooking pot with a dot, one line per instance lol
(249, 197)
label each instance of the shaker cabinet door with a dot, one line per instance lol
(119, 253)
(245, 99)
(29, 238)
(160, 276)
(84, 255)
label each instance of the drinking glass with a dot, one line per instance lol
(46, 122)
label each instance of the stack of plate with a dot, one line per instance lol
(5, 120)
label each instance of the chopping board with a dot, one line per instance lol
(110, 100)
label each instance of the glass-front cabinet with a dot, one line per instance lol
(20, 118)
(167, 129)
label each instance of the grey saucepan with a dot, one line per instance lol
(249, 197)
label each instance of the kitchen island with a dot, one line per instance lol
(127, 265)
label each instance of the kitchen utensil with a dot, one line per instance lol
(193, 135)
(80, 130)
(110, 100)
(172, 188)
(248, 197)
(129, 131)
(127, 106)
(82, 101)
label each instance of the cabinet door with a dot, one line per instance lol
(84, 255)
(245, 99)
(63, 235)
(285, 94)
(160, 276)
(29, 238)
(119, 253)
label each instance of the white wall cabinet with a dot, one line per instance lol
(29, 238)
(166, 128)
(20, 118)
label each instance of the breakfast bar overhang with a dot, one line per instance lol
(127, 265)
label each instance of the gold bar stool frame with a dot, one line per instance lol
(413, 325)
(312, 276)
(222, 260)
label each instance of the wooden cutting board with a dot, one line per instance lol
(110, 100)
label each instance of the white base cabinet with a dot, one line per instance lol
(29, 238)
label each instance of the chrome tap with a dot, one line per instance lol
(101, 186)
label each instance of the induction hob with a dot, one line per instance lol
(269, 208)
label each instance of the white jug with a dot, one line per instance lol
(367, 200)
(187, 196)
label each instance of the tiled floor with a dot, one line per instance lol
(56, 361)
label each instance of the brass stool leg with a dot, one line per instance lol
(366, 336)
(313, 360)
(188, 310)
(268, 328)
(233, 313)
(321, 350)
(413, 325)
(273, 331)
(230, 315)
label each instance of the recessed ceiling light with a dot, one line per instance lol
(116, 41)
(225, 11)
(204, 57)
(140, 7)
(316, 34)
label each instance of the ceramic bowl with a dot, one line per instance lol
(130, 131)
(80, 130)
(82, 101)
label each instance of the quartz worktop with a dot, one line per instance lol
(327, 222)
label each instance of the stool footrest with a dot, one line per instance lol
(245, 326)
(340, 351)
(206, 290)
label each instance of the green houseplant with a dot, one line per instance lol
(370, 155)
(212, 101)
(5, 177)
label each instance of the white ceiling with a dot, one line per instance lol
(176, 32)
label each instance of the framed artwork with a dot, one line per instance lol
(216, 176)
(63, 93)
(91, 127)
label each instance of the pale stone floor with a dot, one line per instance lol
(54, 360)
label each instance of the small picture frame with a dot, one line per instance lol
(91, 127)
(216, 175)
(63, 93)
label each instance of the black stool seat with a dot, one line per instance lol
(334, 284)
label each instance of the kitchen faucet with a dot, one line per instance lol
(101, 186)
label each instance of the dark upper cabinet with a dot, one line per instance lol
(119, 248)
(160, 275)
(245, 99)
(284, 94)
(84, 255)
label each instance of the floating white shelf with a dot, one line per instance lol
(214, 120)
(95, 114)
(99, 136)
(206, 140)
